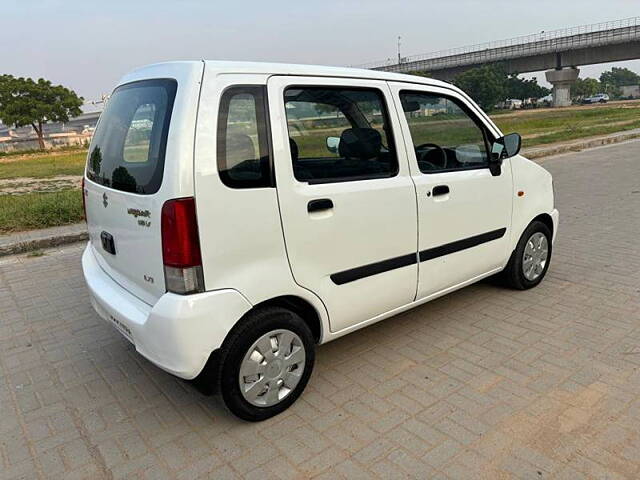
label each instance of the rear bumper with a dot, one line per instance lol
(178, 333)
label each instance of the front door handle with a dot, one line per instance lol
(440, 190)
(319, 204)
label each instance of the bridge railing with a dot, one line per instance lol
(562, 39)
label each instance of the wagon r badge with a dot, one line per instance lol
(105, 200)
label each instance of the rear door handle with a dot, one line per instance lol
(319, 204)
(440, 190)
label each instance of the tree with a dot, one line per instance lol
(421, 74)
(490, 84)
(520, 88)
(617, 77)
(586, 87)
(486, 85)
(24, 101)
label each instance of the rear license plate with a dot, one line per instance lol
(122, 328)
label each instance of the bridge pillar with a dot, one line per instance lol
(562, 79)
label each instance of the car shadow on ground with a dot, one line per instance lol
(436, 316)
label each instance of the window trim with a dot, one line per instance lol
(259, 92)
(388, 132)
(487, 136)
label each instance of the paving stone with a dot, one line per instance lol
(483, 383)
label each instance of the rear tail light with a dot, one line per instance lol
(181, 247)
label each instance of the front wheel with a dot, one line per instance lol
(530, 260)
(266, 364)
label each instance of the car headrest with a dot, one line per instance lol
(294, 149)
(240, 147)
(363, 143)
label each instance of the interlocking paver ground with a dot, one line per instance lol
(483, 383)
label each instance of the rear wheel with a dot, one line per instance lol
(266, 363)
(530, 260)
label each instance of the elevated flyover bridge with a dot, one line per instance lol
(559, 51)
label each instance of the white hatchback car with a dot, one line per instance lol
(597, 98)
(242, 213)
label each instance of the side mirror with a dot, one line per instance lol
(506, 147)
(333, 144)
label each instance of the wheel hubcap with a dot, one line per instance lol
(534, 259)
(272, 368)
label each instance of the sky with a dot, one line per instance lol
(88, 45)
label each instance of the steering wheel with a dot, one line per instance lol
(430, 157)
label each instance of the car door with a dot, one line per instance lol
(464, 207)
(346, 198)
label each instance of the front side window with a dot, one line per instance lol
(339, 134)
(445, 137)
(243, 147)
(128, 148)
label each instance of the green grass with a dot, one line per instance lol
(550, 126)
(577, 132)
(44, 165)
(37, 151)
(40, 210)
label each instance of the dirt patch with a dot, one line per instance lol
(19, 186)
(561, 427)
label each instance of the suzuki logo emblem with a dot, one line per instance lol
(105, 200)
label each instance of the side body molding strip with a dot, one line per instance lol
(459, 245)
(382, 266)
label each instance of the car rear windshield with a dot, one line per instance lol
(128, 147)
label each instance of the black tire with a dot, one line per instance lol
(513, 274)
(254, 326)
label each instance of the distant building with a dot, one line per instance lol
(630, 91)
(77, 131)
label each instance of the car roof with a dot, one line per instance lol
(193, 68)
(218, 66)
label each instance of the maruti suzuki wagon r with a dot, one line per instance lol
(242, 213)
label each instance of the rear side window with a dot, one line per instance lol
(243, 146)
(128, 147)
(339, 134)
